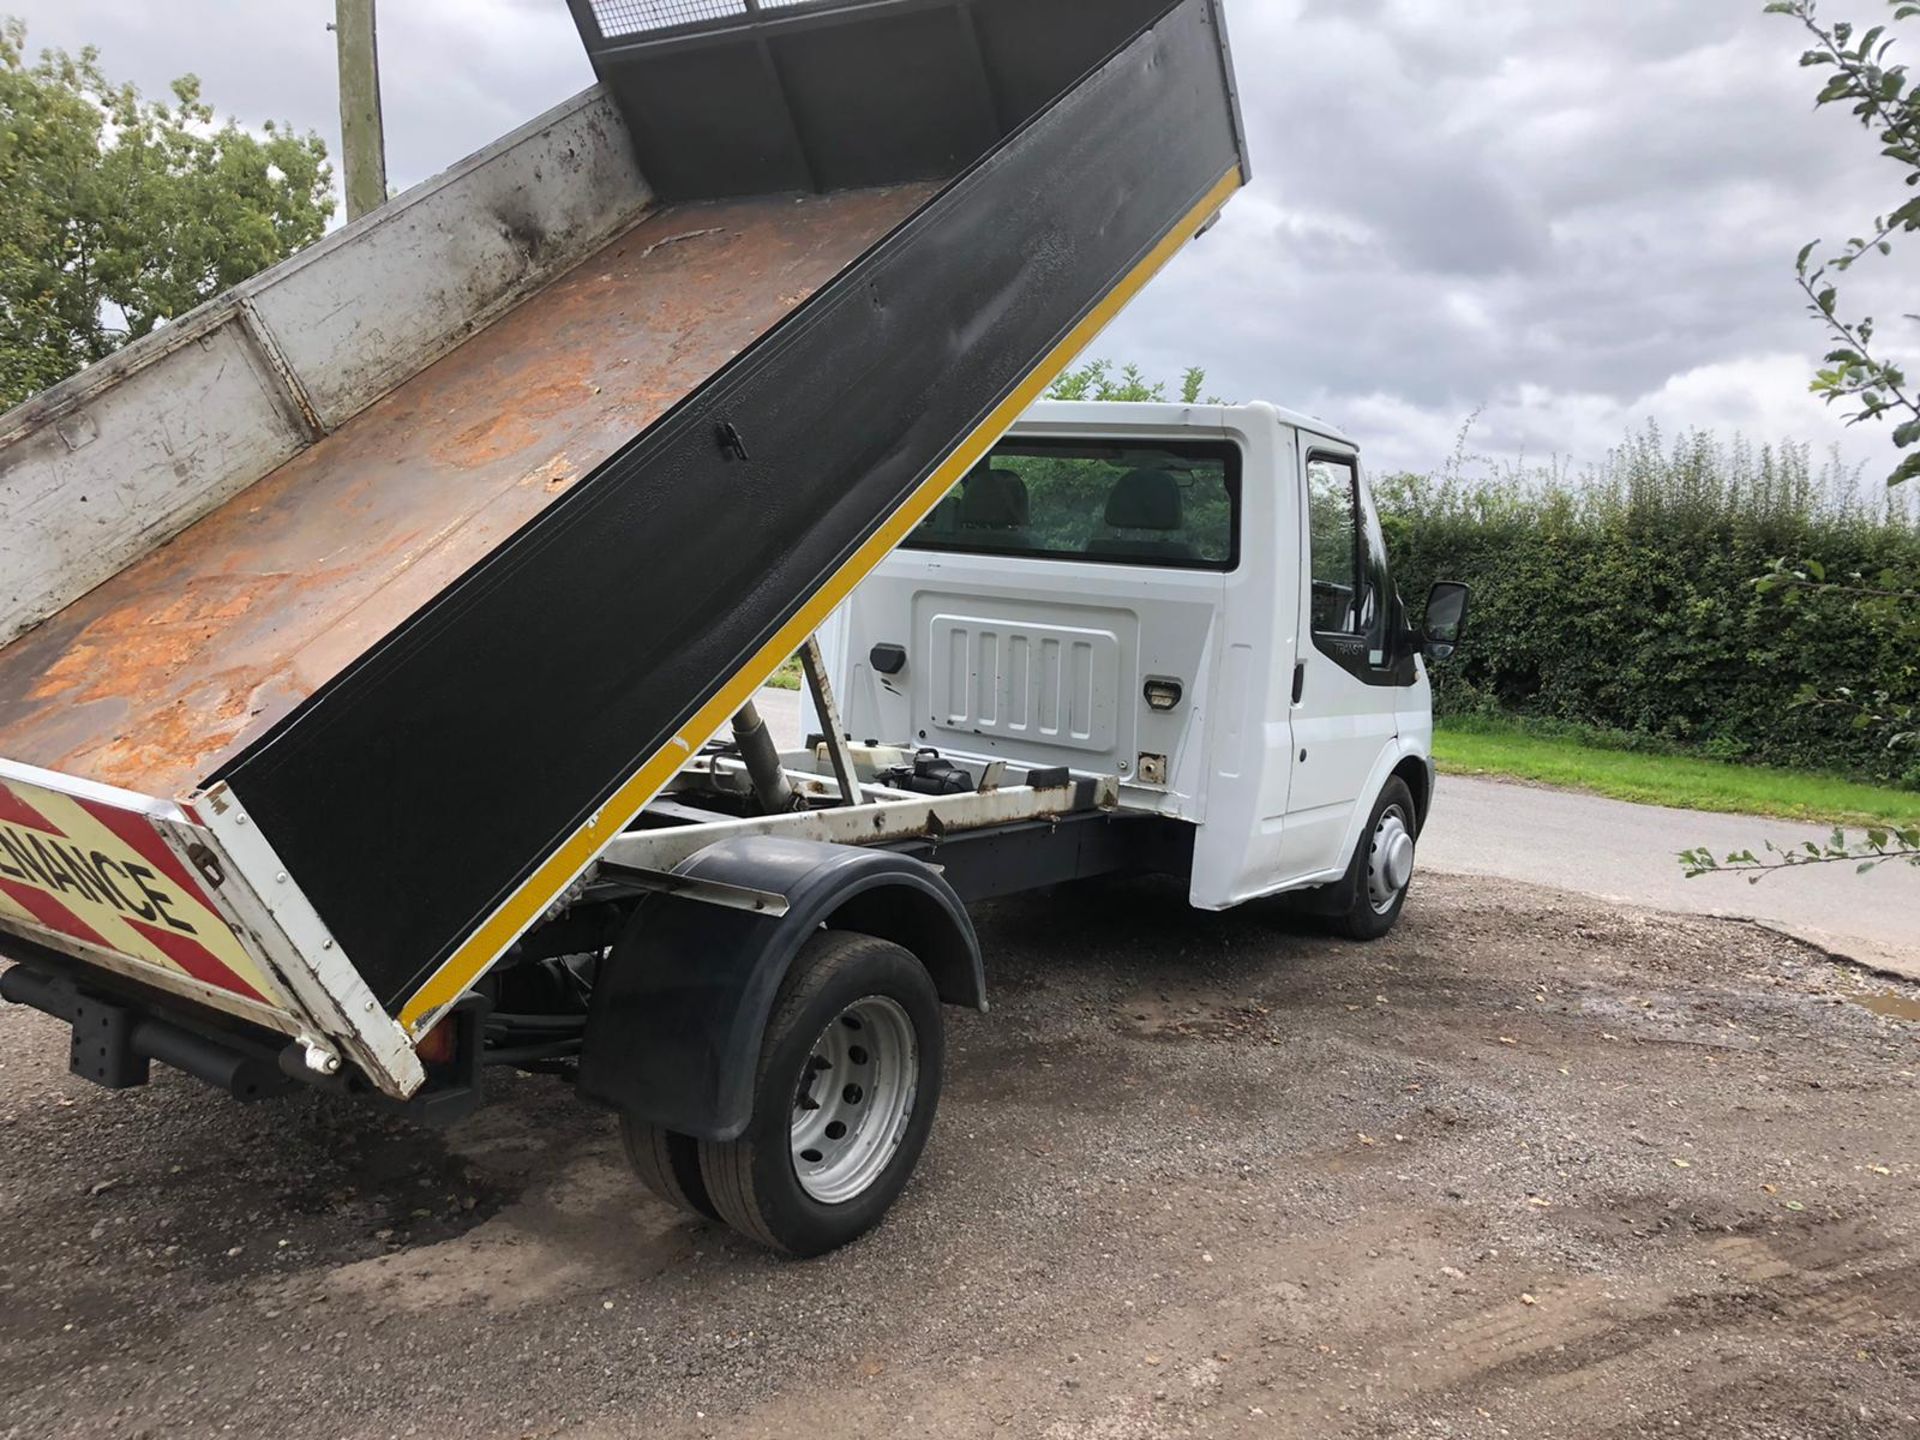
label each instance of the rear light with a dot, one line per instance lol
(438, 1045)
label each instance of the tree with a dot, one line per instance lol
(118, 214)
(1888, 108)
(1099, 380)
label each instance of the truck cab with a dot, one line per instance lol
(1196, 599)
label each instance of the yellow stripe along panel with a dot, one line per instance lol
(546, 884)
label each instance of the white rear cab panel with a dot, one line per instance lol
(1038, 662)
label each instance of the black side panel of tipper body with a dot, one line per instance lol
(419, 792)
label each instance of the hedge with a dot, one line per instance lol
(1626, 601)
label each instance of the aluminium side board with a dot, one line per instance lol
(384, 842)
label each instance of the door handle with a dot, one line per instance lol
(1299, 681)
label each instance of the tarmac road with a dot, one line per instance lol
(1616, 851)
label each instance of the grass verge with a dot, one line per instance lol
(1487, 746)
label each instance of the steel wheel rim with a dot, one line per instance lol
(854, 1099)
(1389, 860)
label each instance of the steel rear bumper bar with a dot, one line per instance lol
(120, 1028)
(115, 1043)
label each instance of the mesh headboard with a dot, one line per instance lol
(755, 97)
(621, 19)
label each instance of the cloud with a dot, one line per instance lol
(1571, 217)
(1530, 425)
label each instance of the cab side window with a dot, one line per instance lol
(1355, 609)
(1340, 591)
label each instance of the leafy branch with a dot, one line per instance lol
(1810, 578)
(1877, 847)
(1887, 107)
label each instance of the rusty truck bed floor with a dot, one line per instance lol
(181, 660)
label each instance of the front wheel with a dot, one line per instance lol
(844, 1097)
(1382, 870)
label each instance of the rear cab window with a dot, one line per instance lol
(1161, 504)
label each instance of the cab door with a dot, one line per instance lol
(1349, 672)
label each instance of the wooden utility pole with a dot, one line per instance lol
(363, 138)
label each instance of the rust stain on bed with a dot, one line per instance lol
(154, 679)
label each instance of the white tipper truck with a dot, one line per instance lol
(365, 635)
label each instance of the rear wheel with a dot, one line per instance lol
(668, 1164)
(848, 1081)
(1376, 884)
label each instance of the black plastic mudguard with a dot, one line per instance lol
(681, 1004)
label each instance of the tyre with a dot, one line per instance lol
(668, 1164)
(844, 1096)
(1377, 882)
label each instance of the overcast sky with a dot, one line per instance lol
(1569, 216)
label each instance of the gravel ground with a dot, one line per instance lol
(1535, 1166)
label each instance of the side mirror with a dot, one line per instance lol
(1446, 619)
